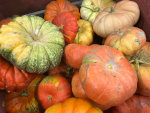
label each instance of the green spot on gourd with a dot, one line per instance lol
(89, 61)
(50, 97)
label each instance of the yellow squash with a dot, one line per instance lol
(84, 35)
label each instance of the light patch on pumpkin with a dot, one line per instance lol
(36, 31)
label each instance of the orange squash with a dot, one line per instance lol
(74, 54)
(136, 104)
(107, 77)
(73, 105)
(59, 6)
(24, 101)
(52, 90)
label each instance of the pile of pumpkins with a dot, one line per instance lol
(53, 65)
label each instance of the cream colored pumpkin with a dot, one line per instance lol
(90, 8)
(123, 14)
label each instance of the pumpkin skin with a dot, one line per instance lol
(122, 14)
(52, 90)
(77, 88)
(13, 79)
(84, 35)
(136, 104)
(73, 105)
(107, 73)
(144, 80)
(127, 40)
(68, 25)
(57, 7)
(90, 8)
(74, 54)
(5, 21)
(24, 101)
(31, 44)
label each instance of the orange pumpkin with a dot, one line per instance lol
(107, 77)
(136, 104)
(68, 25)
(74, 54)
(127, 40)
(24, 101)
(13, 79)
(59, 6)
(73, 105)
(52, 90)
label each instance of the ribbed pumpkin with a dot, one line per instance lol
(136, 104)
(57, 7)
(73, 105)
(67, 23)
(127, 40)
(90, 8)
(13, 79)
(53, 89)
(24, 101)
(31, 44)
(107, 77)
(123, 14)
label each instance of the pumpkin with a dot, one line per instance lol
(74, 54)
(90, 8)
(13, 79)
(123, 14)
(24, 101)
(68, 25)
(144, 80)
(136, 104)
(106, 72)
(57, 7)
(84, 35)
(127, 40)
(73, 105)
(5, 21)
(31, 44)
(77, 88)
(52, 90)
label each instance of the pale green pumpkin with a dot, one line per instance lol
(31, 44)
(90, 8)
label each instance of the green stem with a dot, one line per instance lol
(112, 10)
(24, 93)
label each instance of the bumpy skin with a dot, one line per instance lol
(31, 44)
(73, 105)
(90, 8)
(127, 40)
(24, 101)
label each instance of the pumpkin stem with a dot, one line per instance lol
(50, 97)
(68, 69)
(112, 10)
(24, 93)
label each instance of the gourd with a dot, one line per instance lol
(31, 43)
(123, 14)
